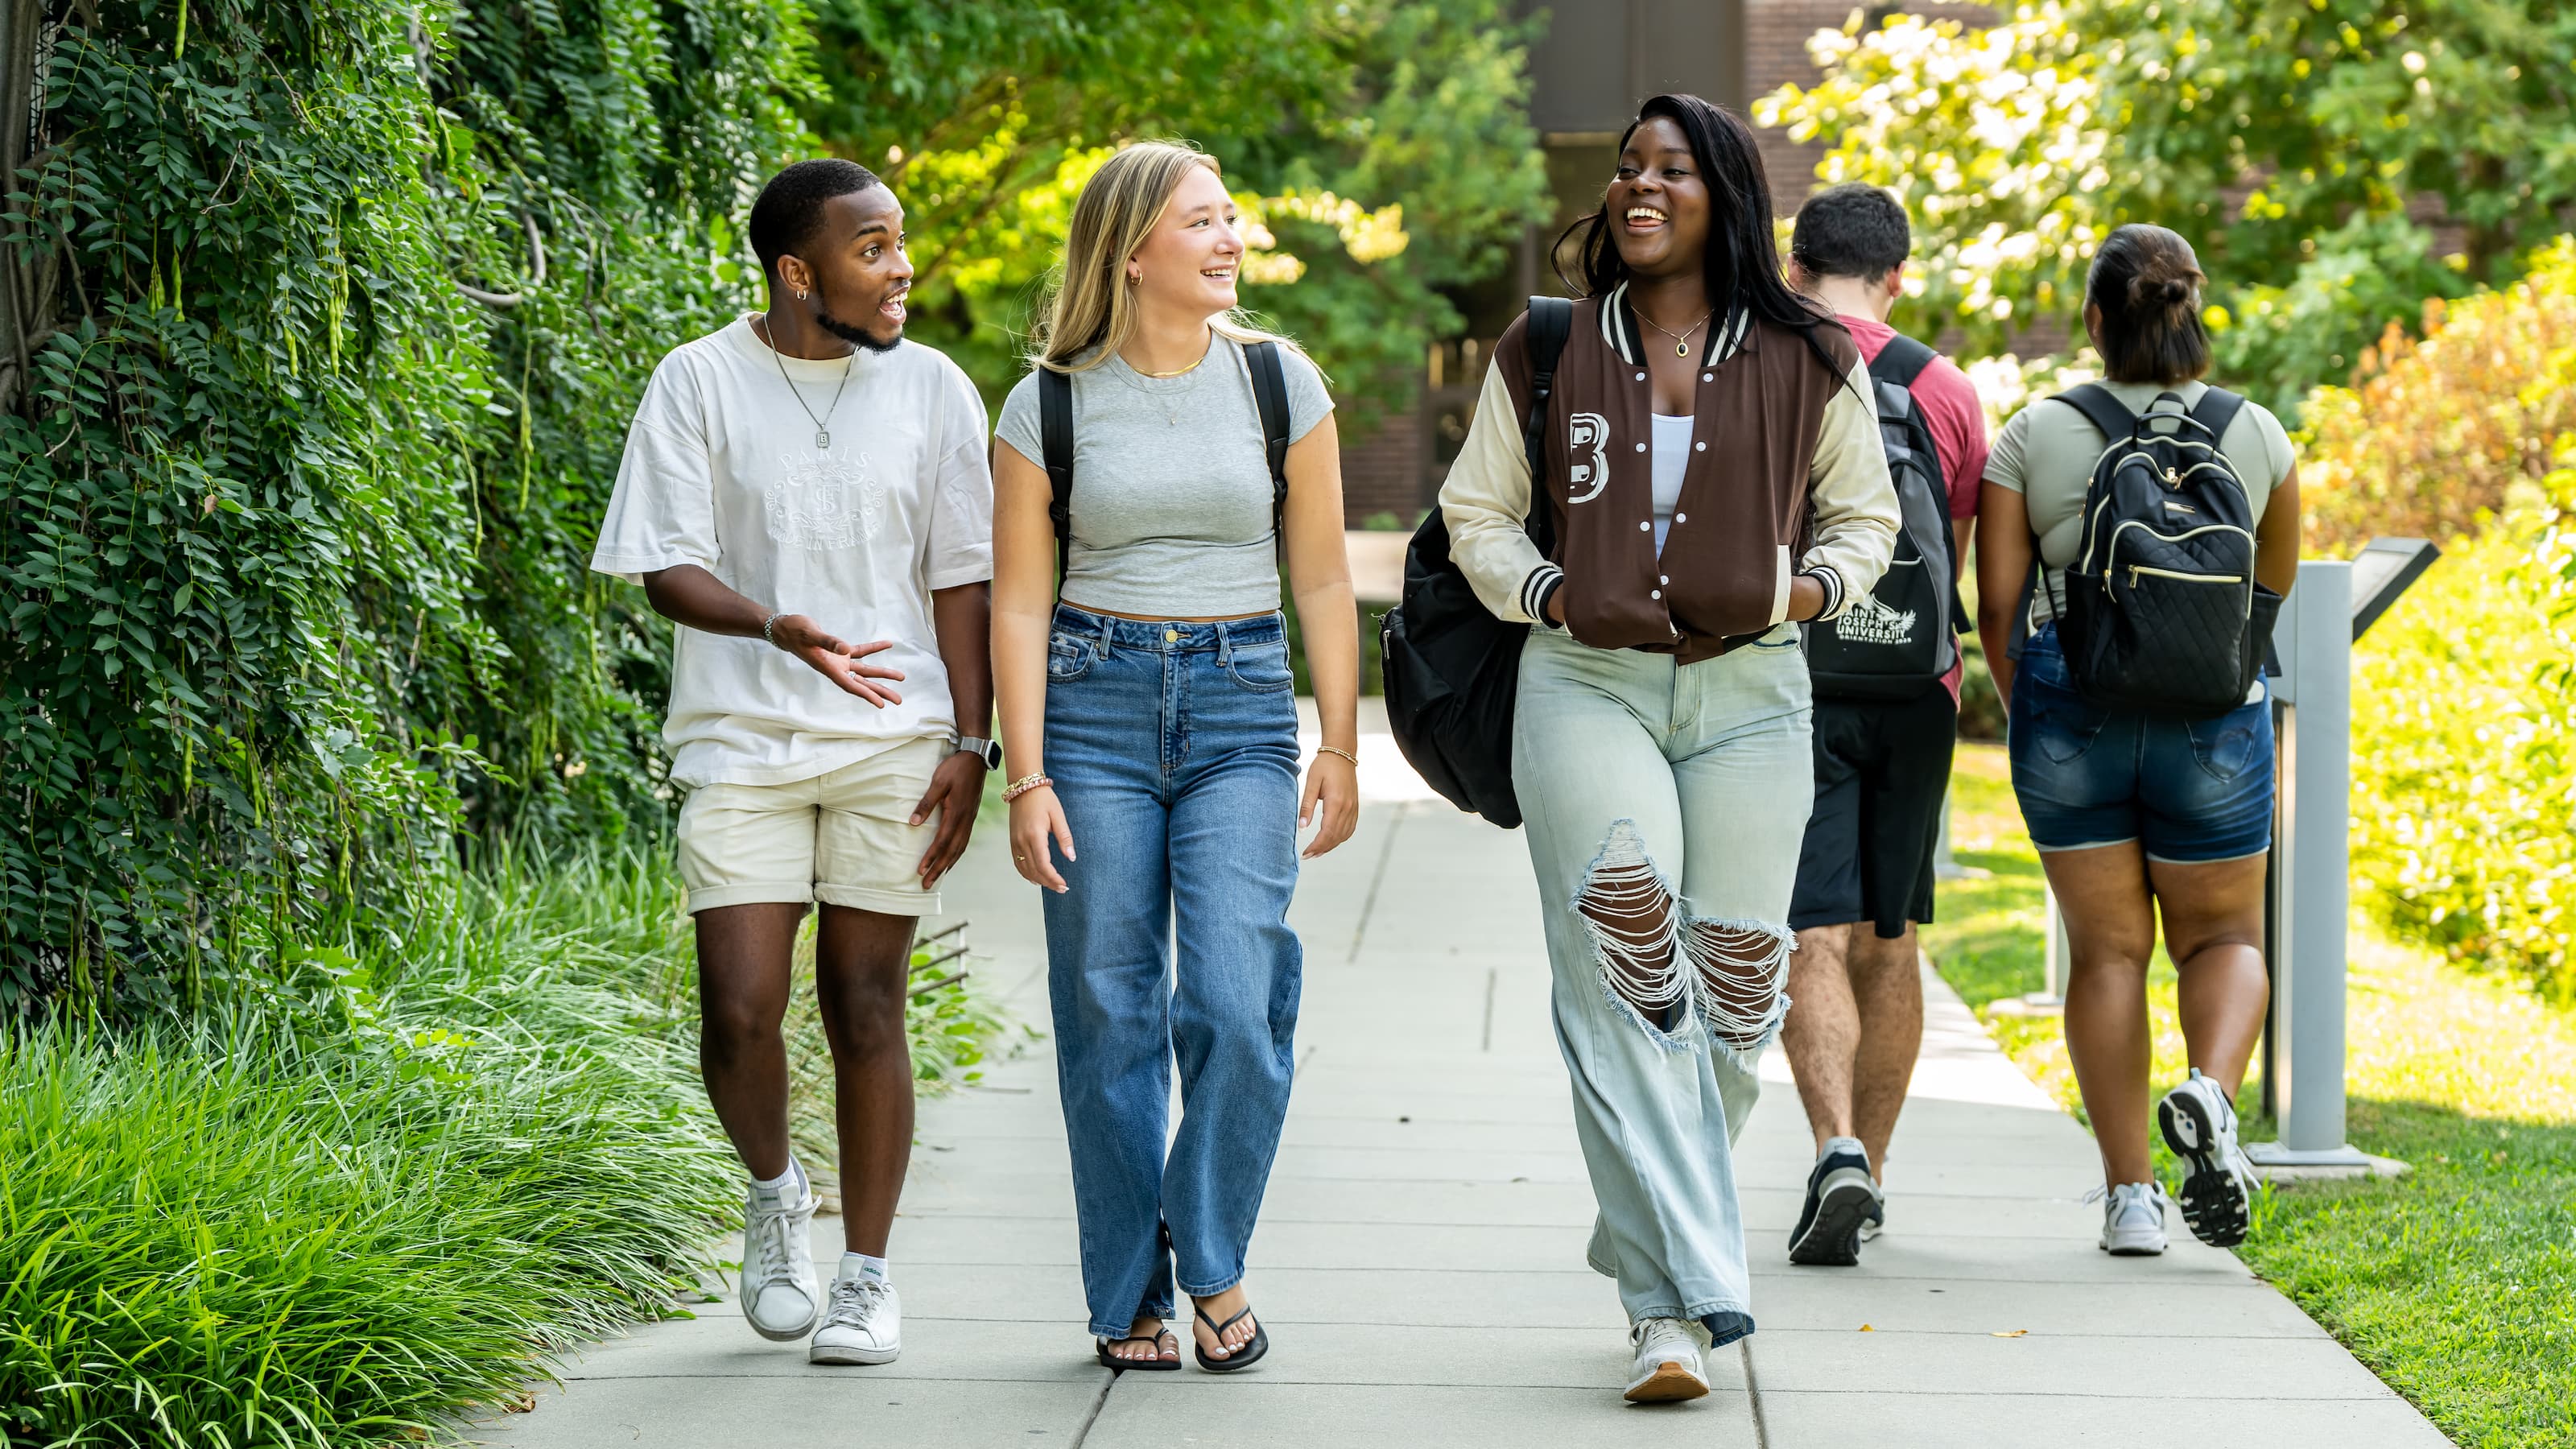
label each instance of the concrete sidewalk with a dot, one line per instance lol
(1420, 1259)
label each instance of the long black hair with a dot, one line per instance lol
(1743, 258)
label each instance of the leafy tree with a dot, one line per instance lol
(2306, 147)
(987, 118)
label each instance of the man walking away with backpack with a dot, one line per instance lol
(1886, 678)
(797, 482)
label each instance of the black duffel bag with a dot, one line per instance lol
(1452, 669)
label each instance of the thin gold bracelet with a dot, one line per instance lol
(1338, 750)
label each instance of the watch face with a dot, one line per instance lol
(992, 754)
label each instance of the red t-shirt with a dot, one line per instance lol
(1958, 423)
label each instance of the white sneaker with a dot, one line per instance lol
(2133, 1218)
(781, 1298)
(2218, 1181)
(1667, 1368)
(862, 1323)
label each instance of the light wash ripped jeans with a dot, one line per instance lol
(1665, 805)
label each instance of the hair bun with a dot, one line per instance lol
(2176, 291)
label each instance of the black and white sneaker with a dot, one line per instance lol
(1841, 1199)
(2218, 1182)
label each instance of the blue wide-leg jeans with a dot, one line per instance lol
(1173, 748)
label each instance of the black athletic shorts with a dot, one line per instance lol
(1882, 772)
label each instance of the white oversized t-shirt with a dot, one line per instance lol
(722, 470)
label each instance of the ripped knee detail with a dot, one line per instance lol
(1663, 969)
(1742, 969)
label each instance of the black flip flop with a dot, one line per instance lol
(1245, 1354)
(1156, 1364)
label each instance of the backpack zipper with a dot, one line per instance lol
(2136, 569)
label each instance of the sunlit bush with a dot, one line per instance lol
(2464, 750)
(2463, 423)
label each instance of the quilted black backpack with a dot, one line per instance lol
(1453, 670)
(2162, 614)
(1897, 640)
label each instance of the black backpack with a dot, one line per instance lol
(1055, 439)
(2162, 615)
(1897, 640)
(1452, 669)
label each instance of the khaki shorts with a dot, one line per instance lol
(845, 839)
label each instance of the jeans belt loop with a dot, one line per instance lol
(1224, 646)
(1108, 635)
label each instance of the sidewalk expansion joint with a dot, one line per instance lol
(1108, 1381)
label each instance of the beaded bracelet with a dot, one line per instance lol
(1022, 786)
(774, 616)
(1338, 750)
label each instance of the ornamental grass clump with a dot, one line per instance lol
(354, 1206)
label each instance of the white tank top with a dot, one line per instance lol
(1670, 457)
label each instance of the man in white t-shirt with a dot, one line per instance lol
(794, 482)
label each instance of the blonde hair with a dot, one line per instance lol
(1090, 313)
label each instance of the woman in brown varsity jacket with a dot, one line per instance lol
(1714, 474)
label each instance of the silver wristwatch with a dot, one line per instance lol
(985, 750)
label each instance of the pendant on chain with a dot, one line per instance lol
(1681, 349)
(822, 440)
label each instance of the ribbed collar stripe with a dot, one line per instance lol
(1620, 329)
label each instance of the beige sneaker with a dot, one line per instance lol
(1668, 1367)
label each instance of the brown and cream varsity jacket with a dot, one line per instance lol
(1786, 476)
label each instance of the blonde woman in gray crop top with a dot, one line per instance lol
(1149, 727)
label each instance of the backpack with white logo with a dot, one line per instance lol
(1899, 639)
(2162, 614)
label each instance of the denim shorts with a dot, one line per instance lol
(2188, 791)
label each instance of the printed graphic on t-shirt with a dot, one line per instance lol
(1588, 432)
(821, 502)
(1868, 621)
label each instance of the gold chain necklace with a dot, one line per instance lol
(1681, 339)
(1166, 376)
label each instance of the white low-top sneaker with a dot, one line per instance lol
(1668, 1367)
(862, 1322)
(781, 1298)
(2217, 1194)
(2133, 1218)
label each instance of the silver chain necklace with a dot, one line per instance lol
(822, 432)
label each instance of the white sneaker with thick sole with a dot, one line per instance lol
(2217, 1194)
(2133, 1219)
(781, 1297)
(862, 1322)
(1668, 1367)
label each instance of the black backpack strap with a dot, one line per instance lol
(1551, 320)
(1055, 439)
(1270, 395)
(2105, 412)
(1901, 361)
(2218, 409)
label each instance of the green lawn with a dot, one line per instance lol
(2456, 1283)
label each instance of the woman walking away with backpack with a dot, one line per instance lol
(1703, 424)
(2165, 518)
(1185, 447)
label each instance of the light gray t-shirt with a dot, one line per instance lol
(2047, 451)
(1171, 491)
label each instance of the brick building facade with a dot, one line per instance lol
(1599, 59)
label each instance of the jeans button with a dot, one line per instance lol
(1171, 636)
